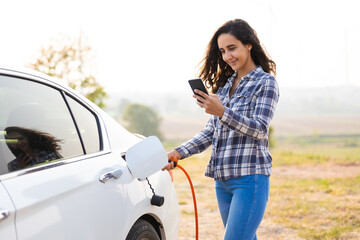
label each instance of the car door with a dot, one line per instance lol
(69, 201)
(61, 198)
(7, 224)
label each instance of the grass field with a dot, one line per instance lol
(315, 191)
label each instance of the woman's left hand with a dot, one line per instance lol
(211, 103)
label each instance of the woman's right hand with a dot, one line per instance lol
(173, 156)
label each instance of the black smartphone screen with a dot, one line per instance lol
(198, 84)
(17, 152)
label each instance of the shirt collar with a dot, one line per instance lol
(250, 76)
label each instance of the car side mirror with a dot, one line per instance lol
(146, 157)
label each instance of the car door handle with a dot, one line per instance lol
(109, 175)
(4, 214)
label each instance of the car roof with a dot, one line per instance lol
(30, 73)
(43, 78)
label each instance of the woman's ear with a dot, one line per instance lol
(249, 46)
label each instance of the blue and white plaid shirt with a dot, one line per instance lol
(240, 137)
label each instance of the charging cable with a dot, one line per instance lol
(194, 198)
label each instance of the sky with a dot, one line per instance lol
(156, 45)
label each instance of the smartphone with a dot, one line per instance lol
(17, 152)
(198, 84)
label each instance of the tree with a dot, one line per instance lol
(143, 120)
(70, 60)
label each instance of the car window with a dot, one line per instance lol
(35, 125)
(87, 125)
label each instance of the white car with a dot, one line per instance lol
(65, 172)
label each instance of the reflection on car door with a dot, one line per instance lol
(69, 202)
(7, 216)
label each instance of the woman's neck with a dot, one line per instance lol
(246, 70)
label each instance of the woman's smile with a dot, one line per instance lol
(232, 63)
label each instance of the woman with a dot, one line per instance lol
(30, 147)
(238, 71)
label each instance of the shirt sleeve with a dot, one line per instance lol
(257, 125)
(199, 142)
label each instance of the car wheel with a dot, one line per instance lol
(142, 230)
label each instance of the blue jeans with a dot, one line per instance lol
(242, 202)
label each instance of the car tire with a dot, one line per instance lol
(142, 230)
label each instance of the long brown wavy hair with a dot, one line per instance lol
(37, 139)
(214, 71)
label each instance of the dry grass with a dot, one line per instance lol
(316, 198)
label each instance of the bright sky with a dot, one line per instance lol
(156, 45)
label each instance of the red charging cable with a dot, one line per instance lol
(194, 200)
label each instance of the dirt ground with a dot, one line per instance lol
(210, 225)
